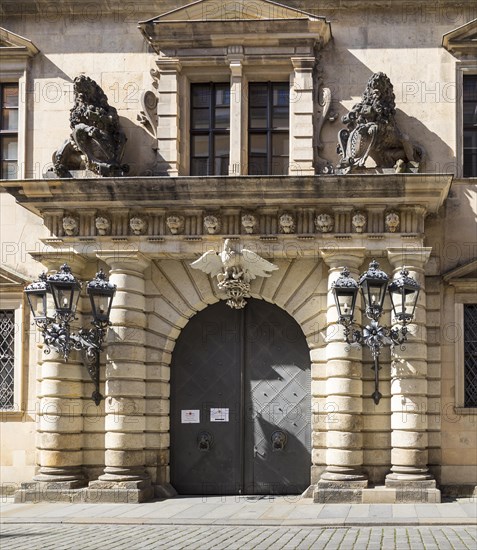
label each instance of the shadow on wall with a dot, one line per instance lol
(140, 152)
(346, 77)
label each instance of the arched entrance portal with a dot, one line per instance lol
(240, 403)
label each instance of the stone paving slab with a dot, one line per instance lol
(242, 511)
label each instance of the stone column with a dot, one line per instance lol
(59, 437)
(343, 479)
(237, 106)
(125, 478)
(168, 113)
(410, 475)
(302, 117)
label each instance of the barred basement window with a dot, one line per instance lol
(470, 355)
(7, 358)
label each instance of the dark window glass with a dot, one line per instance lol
(210, 129)
(470, 125)
(7, 357)
(269, 123)
(8, 131)
(470, 355)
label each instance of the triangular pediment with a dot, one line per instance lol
(463, 277)
(463, 40)
(211, 10)
(211, 24)
(9, 278)
(11, 42)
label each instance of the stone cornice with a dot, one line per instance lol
(427, 191)
(154, 7)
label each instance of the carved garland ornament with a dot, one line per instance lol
(234, 268)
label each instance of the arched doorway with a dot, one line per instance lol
(240, 403)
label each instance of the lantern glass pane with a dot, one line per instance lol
(100, 306)
(346, 303)
(38, 304)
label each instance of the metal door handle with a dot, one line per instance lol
(204, 441)
(279, 440)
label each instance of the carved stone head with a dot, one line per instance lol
(138, 225)
(102, 224)
(175, 224)
(359, 221)
(212, 224)
(324, 222)
(70, 225)
(249, 221)
(287, 223)
(391, 221)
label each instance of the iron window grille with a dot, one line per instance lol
(7, 358)
(470, 355)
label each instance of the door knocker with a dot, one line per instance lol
(279, 440)
(204, 441)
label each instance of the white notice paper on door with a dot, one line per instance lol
(219, 415)
(190, 416)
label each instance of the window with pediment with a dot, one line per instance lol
(15, 54)
(462, 43)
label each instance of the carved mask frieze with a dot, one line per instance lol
(70, 225)
(249, 221)
(102, 224)
(138, 225)
(391, 221)
(324, 222)
(286, 223)
(175, 224)
(212, 224)
(359, 221)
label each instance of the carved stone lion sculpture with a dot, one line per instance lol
(96, 141)
(372, 132)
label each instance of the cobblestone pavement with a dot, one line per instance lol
(199, 537)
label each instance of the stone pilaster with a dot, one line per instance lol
(409, 438)
(125, 477)
(343, 480)
(302, 117)
(237, 107)
(168, 112)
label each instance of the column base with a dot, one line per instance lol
(410, 488)
(120, 491)
(327, 492)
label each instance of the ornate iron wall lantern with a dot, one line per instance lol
(53, 301)
(403, 291)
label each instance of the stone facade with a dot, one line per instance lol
(146, 227)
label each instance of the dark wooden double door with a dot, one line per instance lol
(240, 403)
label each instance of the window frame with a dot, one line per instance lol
(211, 131)
(270, 130)
(460, 406)
(15, 303)
(5, 133)
(463, 68)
